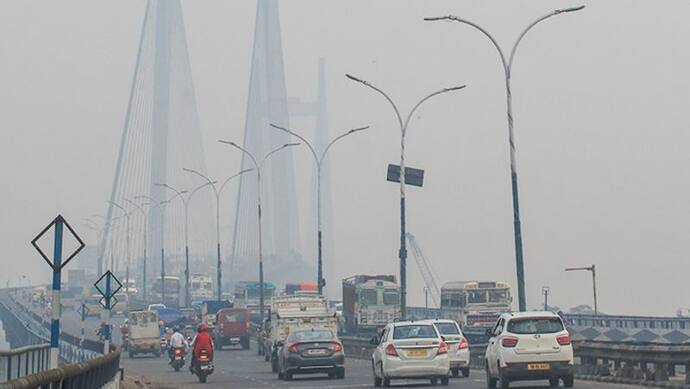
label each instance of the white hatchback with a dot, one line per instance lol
(529, 346)
(458, 346)
(410, 350)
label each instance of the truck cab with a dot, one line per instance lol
(232, 328)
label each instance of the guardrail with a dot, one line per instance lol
(94, 373)
(23, 361)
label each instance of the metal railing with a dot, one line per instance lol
(23, 361)
(94, 373)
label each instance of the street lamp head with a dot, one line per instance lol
(353, 78)
(572, 9)
(436, 18)
(290, 144)
(357, 129)
(454, 88)
(228, 142)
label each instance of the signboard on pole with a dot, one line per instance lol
(56, 263)
(413, 176)
(108, 285)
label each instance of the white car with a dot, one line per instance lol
(458, 346)
(529, 346)
(410, 350)
(155, 307)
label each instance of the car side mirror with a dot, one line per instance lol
(443, 338)
(490, 333)
(374, 340)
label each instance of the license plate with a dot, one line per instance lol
(177, 358)
(416, 353)
(204, 367)
(234, 339)
(316, 352)
(538, 366)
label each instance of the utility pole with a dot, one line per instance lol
(592, 269)
(545, 291)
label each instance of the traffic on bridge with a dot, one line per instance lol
(344, 194)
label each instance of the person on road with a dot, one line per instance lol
(177, 340)
(202, 341)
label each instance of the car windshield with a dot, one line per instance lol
(414, 331)
(448, 328)
(234, 317)
(306, 336)
(543, 325)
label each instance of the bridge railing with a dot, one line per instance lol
(23, 361)
(94, 373)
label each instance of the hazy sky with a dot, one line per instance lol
(600, 99)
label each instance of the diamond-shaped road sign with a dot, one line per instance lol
(59, 220)
(113, 302)
(83, 310)
(110, 288)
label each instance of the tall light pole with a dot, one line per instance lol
(402, 254)
(217, 191)
(143, 214)
(318, 159)
(129, 253)
(185, 202)
(161, 209)
(507, 66)
(258, 165)
(592, 269)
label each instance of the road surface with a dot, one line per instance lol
(243, 369)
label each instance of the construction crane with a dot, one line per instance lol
(425, 269)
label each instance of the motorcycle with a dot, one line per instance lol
(177, 358)
(203, 366)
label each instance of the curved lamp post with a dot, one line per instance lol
(217, 191)
(318, 159)
(507, 66)
(258, 165)
(403, 130)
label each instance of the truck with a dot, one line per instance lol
(301, 287)
(171, 286)
(475, 303)
(369, 303)
(209, 308)
(290, 312)
(232, 328)
(201, 287)
(144, 333)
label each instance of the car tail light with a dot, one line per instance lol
(337, 347)
(563, 340)
(293, 348)
(509, 342)
(221, 326)
(390, 350)
(442, 348)
(203, 357)
(463, 344)
(249, 325)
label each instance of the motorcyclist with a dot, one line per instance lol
(177, 340)
(202, 341)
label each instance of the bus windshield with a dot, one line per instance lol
(391, 297)
(171, 285)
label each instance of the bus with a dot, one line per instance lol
(172, 291)
(476, 303)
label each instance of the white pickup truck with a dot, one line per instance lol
(291, 312)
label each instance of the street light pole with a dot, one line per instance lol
(258, 166)
(403, 131)
(217, 192)
(545, 291)
(318, 159)
(129, 253)
(507, 66)
(185, 202)
(161, 209)
(592, 269)
(143, 214)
